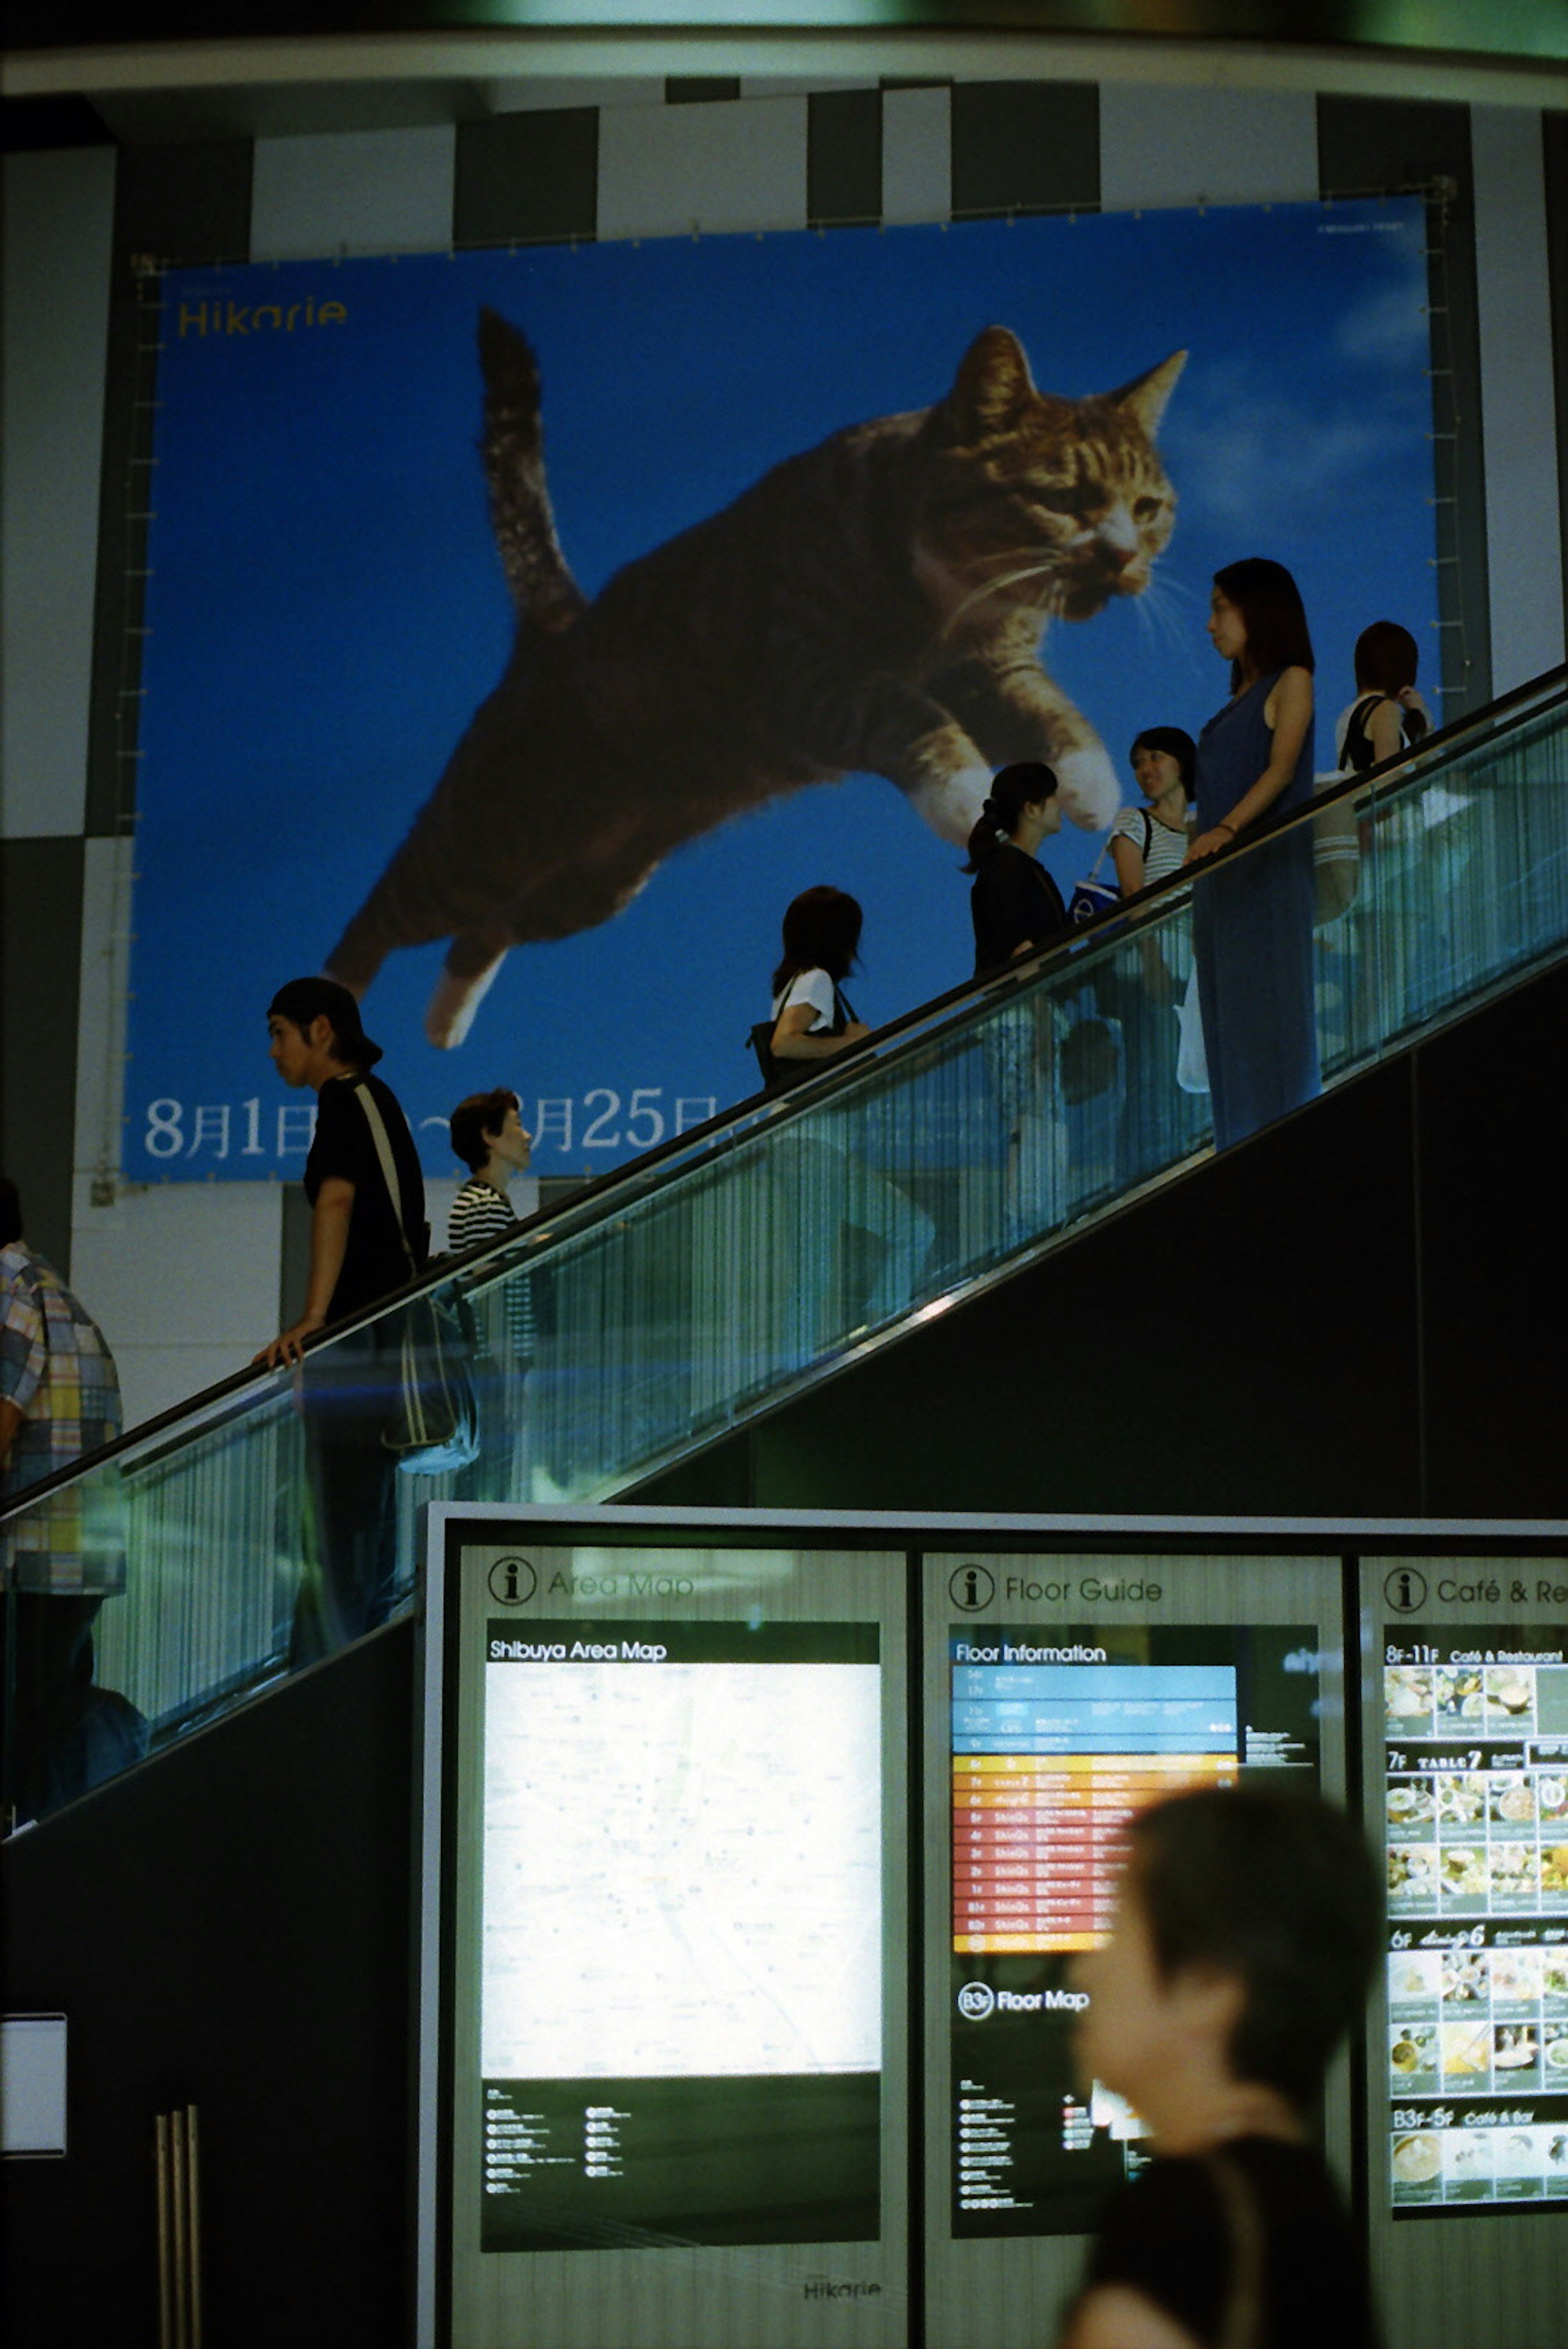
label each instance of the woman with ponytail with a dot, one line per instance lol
(1016, 907)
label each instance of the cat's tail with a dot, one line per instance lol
(544, 595)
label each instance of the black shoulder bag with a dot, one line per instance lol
(777, 1074)
(434, 1424)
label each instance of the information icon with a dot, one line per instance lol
(971, 1588)
(1404, 1590)
(512, 1582)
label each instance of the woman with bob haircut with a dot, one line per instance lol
(1149, 843)
(1388, 715)
(1246, 1934)
(489, 1135)
(825, 1178)
(821, 944)
(1251, 923)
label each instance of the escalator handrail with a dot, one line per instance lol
(654, 1168)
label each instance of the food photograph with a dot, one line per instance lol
(1412, 1803)
(1415, 1978)
(1466, 1976)
(1464, 1874)
(1413, 2054)
(1458, 1694)
(1513, 1800)
(1412, 1872)
(1466, 2052)
(1416, 2160)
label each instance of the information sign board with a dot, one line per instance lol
(673, 2003)
(1465, 1739)
(1065, 1694)
(1475, 1761)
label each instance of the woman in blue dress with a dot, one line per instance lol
(1251, 921)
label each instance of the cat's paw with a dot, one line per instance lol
(450, 1013)
(952, 803)
(1087, 786)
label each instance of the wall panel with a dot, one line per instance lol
(714, 168)
(917, 154)
(106, 876)
(527, 176)
(363, 192)
(59, 212)
(843, 155)
(1025, 146)
(1513, 294)
(1206, 146)
(1375, 146)
(183, 1278)
(40, 925)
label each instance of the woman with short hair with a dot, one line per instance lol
(1149, 845)
(1388, 714)
(821, 941)
(1150, 842)
(1245, 1938)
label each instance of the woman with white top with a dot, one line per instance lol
(1149, 845)
(821, 940)
(822, 1160)
(1388, 714)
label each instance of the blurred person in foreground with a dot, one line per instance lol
(1246, 1933)
(60, 1398)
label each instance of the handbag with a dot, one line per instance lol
(1092, 897)
(777, 1074)
(434, 1424)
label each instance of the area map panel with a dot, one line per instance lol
(681, 1993)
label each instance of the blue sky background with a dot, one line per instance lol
(326, 608)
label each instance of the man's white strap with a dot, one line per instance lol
(369, 1103)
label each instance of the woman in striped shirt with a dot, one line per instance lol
(490, 1137)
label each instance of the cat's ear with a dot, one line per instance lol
(990, 390)
(1145, 396)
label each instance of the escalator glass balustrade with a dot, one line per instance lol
(668, 1303)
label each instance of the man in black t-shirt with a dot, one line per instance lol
(364, 1243)
(356, 1235)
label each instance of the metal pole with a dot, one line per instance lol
(182, 2254)
(165, 2328)
(194, 2199)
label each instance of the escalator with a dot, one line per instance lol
(883, 1231)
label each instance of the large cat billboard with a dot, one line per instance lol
(768, 550)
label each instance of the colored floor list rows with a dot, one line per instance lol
(1049, 1764)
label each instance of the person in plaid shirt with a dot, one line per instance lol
(60, 1398)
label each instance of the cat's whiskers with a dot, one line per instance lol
(997, 586)
(1165, 624)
